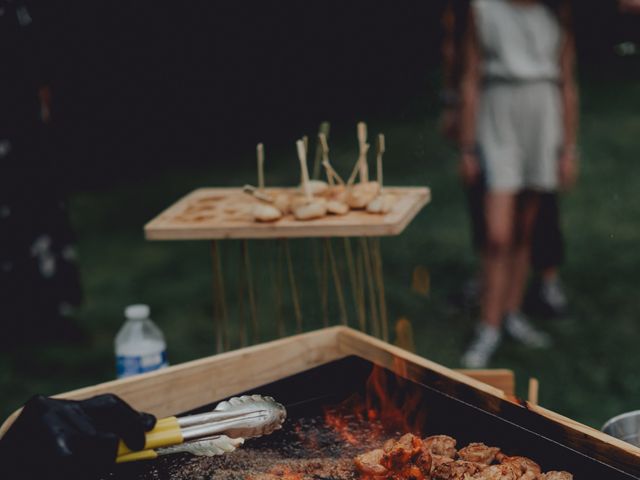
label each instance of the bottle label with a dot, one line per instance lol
(133, 365)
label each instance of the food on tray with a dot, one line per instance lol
(361, 194)
(436, 458)
(382, 203)
(317, 198)
(337, 208)
(265, 213)
(308, 207)
(318, 187)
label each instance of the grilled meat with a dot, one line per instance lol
(556, 476)
(436, 458)
(479, 453)
(441, 445)
(525, 468)
(456, 470)
(370, 463)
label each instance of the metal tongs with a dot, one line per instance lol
(212, 433)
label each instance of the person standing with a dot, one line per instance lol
(518, 129)
(39, 277)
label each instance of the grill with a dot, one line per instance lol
(346, 393)
(348, 406)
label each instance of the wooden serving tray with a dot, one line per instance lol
(218, 213)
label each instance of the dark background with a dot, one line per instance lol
(141, 86)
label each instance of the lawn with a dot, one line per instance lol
(591, 372)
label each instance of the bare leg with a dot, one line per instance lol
(521, 253)
(500, 211)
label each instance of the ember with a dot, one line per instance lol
(386, 407)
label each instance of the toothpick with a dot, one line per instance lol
(305, 140)
(302, 156)
(358, 166)
(254, 192)
(332, 175)
(323, 129)
(260, 153)
(362, 160)
(379, 153)
(293, 285)
(248, 274)
(337, 283)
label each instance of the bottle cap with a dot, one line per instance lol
(137, 312)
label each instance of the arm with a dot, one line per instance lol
(569, 95)
(469, 93)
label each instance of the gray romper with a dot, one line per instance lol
(519, 123)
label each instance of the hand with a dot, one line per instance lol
(71, 439)
(469, 168)
(568, 170)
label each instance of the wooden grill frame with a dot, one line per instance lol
(189, 385)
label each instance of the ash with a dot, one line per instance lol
(305, 449)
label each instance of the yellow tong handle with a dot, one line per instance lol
(167, 432)
(141, 455)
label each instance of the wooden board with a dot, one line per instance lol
(187, 386)
(500, 378)
(219, 213)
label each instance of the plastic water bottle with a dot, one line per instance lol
(140, 345)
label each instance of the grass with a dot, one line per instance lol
(590, 374)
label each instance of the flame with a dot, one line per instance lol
(390, 402)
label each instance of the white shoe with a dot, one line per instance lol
(552, 294)
(483, 346)
(520, 329)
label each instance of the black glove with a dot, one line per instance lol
(69, 439)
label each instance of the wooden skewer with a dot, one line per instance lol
(260, 153)
(278, 288)
(242, 327)
(324, 130)
(361, 289)
(332, 175)
(362, 160)
(368, 270)
(379, 278)
(357, 167)
(294, 289)
(379, 153)
(302, 156)
(324, 290)
(337, 283)
(353, 278)
(534, 387)
(252, 300)
(305, 141)
(316, 245)
(404, 335)
(259, 194)
(222, 337)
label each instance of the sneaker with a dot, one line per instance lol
(520, 329)
(483, 346)
(553, 296)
